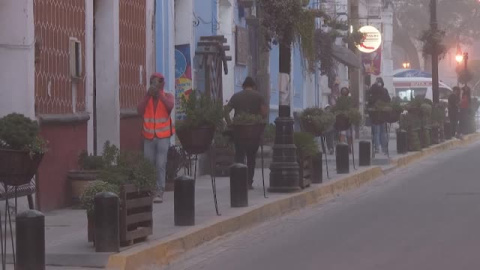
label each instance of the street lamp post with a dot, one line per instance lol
(434, 29)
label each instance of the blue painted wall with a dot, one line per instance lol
(164, 21)
(205, 15)
(298, 78)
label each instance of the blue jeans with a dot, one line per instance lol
(156, 151)
(380, 137)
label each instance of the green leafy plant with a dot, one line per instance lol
(439, 114)
(88, 196)
(316, 121)
(90, 162)
(130, 168)
(346, 107)
(305, 143)
(433, 41)
(18, 132)
(409, 122)
(248, 119)
(397, 106)
(200, 110)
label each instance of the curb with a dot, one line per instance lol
(162, 252)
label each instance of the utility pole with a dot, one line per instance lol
(434, 29)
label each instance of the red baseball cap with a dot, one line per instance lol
(157, 75)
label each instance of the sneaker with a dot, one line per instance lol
(158, 198)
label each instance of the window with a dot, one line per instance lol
(75, 58)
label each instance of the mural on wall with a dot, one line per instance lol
(372, 62)
(183, 76)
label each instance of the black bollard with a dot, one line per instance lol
(107, 237)
(342, 158)
(364, 153)
(30, 238)
(184, 201)
(238, 185)
(317, 169)
(402, 145)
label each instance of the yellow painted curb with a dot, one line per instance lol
(162, 252)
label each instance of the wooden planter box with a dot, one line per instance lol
(136, 218)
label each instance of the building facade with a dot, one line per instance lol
(79, 67)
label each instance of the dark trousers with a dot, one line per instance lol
(463, 122)
(250, 153)
(453, 123)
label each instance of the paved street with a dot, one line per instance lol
(426, 216)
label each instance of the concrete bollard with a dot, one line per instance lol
(364, 153)
(238, 185)
(342, 158)
(107, 237)
(184, 201)
(317, 169)
(402, 144)
(30, 238)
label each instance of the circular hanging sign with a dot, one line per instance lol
(372, 40)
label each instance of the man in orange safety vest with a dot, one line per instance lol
(156, 108)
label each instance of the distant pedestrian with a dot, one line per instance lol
(453, 109)
(345, 136)
(379, 93)
(156, 108)
(247, 101)
(465, 100)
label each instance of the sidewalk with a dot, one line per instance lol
(66, 234)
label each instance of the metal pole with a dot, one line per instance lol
(434, 28)
(465, 58)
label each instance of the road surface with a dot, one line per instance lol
(426, 216)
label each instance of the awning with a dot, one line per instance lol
(345, 56)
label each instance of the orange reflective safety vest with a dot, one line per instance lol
(157, 121)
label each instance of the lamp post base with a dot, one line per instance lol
(284, 170)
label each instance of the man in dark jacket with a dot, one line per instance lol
(379, 93)
(453, 109)
(247, 101)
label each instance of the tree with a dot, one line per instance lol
(459, 19)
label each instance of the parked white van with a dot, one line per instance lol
(408, 87)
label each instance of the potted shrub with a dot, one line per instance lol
(397, 110)
(134, 177)
(248, 129)
(307, 150)
(87, 202)
(89, 168)
(202, 116)
(224, 151)
(438, 122)
(411, 124)
(21, 149)
(346, 114)
(316, 121)
(426, 114)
